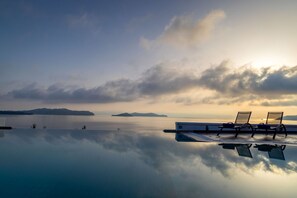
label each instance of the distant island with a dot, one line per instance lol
(290, 117)
(135, 114)
(45, 111)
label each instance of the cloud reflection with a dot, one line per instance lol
(133, 162)
(162, 152)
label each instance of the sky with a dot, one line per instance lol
(175, 57)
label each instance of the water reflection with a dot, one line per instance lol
(255, 157)
(274, 151)
(131, 163)
(76, 163)
(242, 149)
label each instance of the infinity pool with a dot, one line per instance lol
(131, 157)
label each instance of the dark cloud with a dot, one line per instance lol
(226, 80)
(113, 91)
(160, 80)
(156, 81)
(236, 85)
(247, 80)
(229, 85)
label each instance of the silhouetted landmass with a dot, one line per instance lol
(45, 111)
(14, 113)
(148, 115)
(290, 117)
(135, 114)
(124, 115)
(5, 127)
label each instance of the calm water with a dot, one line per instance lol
(131, 157)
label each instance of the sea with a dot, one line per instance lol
(133, 157)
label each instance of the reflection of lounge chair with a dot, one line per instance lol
(241, 121)
(242, 149)
(274, 151)
(183, 138)
(273, 123)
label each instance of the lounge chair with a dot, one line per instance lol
(274, 151)
(273, 123)
(242, 149)
(241, 121)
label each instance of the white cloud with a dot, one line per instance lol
(185, 31)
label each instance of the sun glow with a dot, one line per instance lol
(268, 61)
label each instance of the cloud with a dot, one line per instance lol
(185, 31)
(221, 84)
(160, 80)
(114, 91)
(154, 82)
(284, 102)
(266, 86)
(247, 80)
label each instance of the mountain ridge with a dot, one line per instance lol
(47, 111)
(136, 114)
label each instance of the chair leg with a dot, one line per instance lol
(274, 135)
(219, 132)
(253, 133)
(285, 130)
(237, 131)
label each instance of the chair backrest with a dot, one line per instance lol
(243, 117)
(276, 153)
(274, 118)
